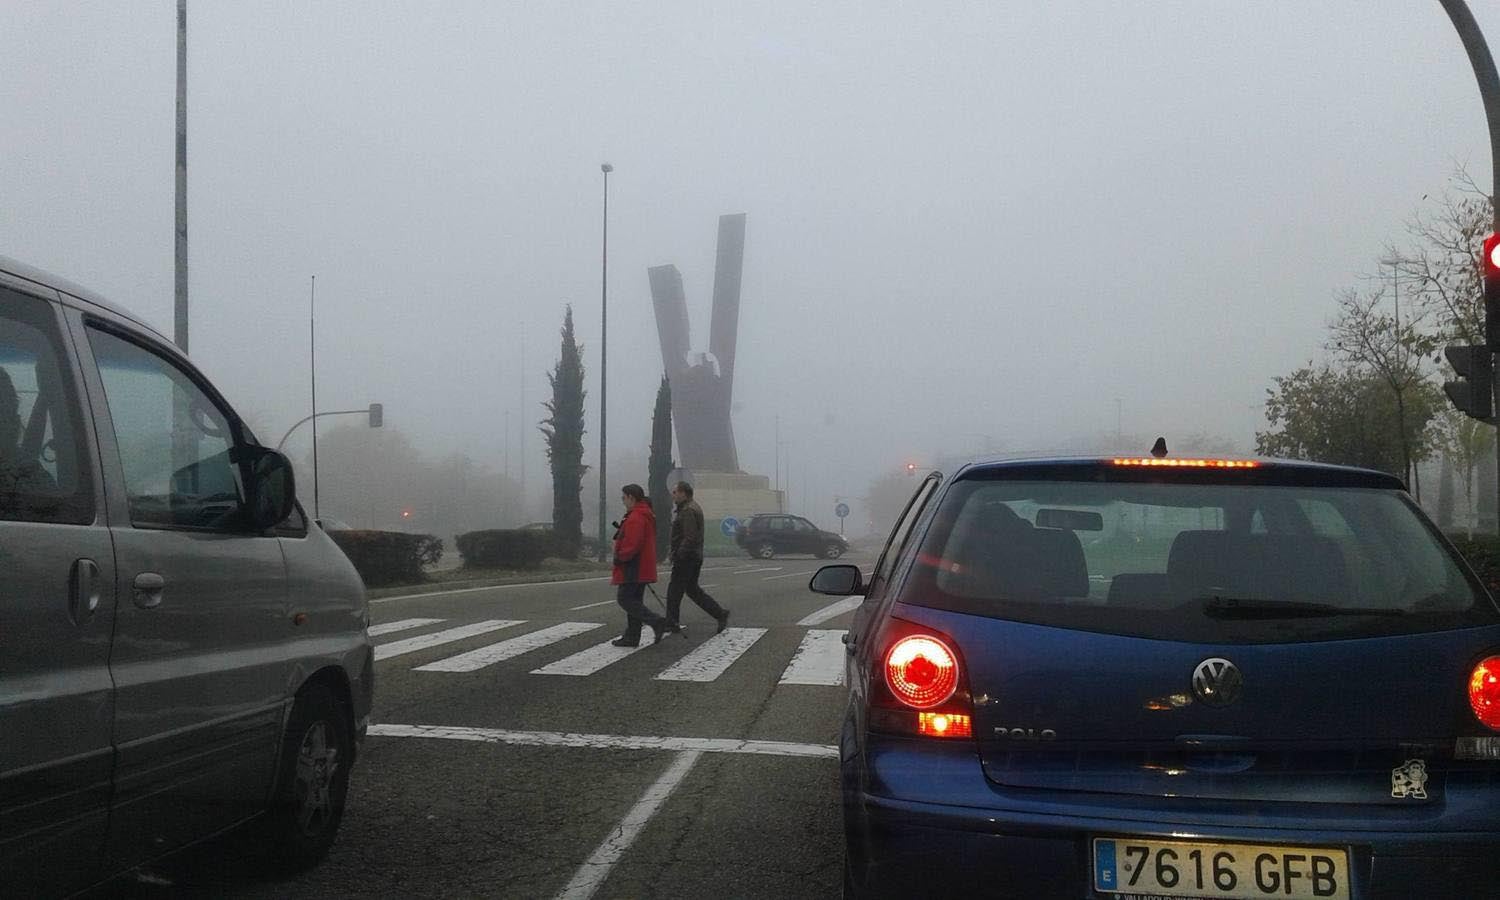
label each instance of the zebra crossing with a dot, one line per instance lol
(817, 660)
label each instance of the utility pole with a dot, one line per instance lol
(180, 303)
(1483, 64)
(606, 168)
(312, 353)
(521, 431)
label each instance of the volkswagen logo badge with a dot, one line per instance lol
(1217, 681)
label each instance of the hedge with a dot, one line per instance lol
(1483, 554)
(389, 557)
(513, 548)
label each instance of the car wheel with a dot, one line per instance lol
(765, 551)
(314, 780)
(833, 551)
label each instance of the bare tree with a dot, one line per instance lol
(1393, 351)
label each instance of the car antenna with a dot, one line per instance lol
(1159, 449)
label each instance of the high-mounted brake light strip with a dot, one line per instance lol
(1187, 463)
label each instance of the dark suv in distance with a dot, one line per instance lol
(1120, 678)
(768, 536)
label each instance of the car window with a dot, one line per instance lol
(777, 524)
(44, 476)
(175, 442)
(804, 525)
(887, 561)
(1168, 559)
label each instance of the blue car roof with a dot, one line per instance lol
(1269, 472)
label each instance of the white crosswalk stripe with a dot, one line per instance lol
(713, 656)
(587, 662)
(423, 641)
(488, 656)
(832, 611)
(818, 660)
(402, 625)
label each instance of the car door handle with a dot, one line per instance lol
(83, 599)
(147, 590)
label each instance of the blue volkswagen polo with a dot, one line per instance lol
(1130, 678)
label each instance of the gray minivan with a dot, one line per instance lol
(180, 653)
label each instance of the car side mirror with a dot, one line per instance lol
(273, 488)
(837, 581)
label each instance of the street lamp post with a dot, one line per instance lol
(606, 168)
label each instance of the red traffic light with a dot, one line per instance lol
(911, 468)
(1490, 258)
(406, 513)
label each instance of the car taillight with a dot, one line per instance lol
(921, 671)
(919, 686)
(1484, 692)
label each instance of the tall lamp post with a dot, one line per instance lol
(606, 168)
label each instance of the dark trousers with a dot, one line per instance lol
(685, 581)
(632, 599)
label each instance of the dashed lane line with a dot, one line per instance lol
(493, 587)
(787, 575)
(591, 875)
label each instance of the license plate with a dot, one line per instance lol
(1126, 867)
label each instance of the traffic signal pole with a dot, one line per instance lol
(1489, 92)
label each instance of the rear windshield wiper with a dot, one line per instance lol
(1260, 608)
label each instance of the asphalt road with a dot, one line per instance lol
(515, 754)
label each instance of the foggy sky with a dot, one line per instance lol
(968, 223)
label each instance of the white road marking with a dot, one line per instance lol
(493, 653)
(587, 662)
(492, 587)
(818, 660)
(604, 741)
(832, 611)
(402, 625)
(591, 605)
(787, 575)
(422, 642)
(765, 569)
(713, 656)
(590, 876)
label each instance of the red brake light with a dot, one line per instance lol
(922, 672)
(1490, 257)
(936, 724)
(1484, 692)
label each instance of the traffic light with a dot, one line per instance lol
(1473, 392)
(911, 468)
(377, 415)
(1489, 264)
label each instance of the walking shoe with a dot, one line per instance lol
(621, 642)
(723, 622)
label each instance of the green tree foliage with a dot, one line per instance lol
(1344, 416)
(563, 429)
(660, 465)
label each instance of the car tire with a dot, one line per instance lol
(313, 780)
(832, 551)
(764, 550)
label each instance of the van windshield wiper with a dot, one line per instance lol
(1261, 608)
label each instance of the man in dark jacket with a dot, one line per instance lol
(635, 567)
(687, 559)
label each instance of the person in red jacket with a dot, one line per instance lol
(635, 567)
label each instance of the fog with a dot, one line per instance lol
(971, 226)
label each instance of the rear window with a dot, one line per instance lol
(1230, 563)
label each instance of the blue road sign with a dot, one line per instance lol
(842, 510)
(728, 525)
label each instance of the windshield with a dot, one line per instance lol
(1198, 562)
